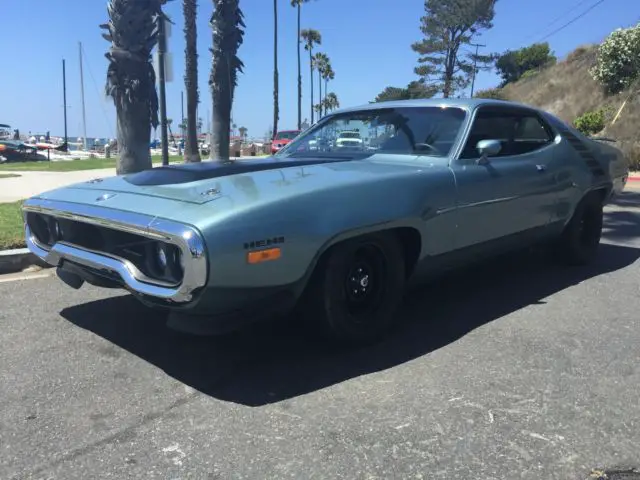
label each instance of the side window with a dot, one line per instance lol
(519, 132)
(530, 135)
(490, 125)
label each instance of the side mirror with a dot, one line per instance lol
(489, 148)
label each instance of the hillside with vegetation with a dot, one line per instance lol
(595, 88)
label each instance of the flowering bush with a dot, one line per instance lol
(618, 59)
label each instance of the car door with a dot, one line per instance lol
(511, 192)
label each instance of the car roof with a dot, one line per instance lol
(466, 103)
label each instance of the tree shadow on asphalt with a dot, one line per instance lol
(278, 360)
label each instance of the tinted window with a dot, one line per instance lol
(519, 132)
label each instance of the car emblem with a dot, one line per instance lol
(211, 192)
(104, 197)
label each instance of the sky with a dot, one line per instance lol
(368, 42)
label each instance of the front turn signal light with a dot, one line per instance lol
(263, 255)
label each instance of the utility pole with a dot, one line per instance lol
(162, 48)
(473, 79)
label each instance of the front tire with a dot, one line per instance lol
(580, 239)
(358, 288)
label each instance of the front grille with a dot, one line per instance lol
(137, 249)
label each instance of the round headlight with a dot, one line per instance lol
(57, 229)
(162, 257)
(180, 259)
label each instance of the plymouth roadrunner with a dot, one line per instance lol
(338, 233)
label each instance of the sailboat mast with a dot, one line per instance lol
(84, 118)
(64, 99)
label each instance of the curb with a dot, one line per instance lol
(13, 261)
(633, 179)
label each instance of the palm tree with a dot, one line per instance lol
(298, 4)
(191, 150)
(331, 102)
(276, 107)
(320, 60)
(227, 23)
(243, 133)
(131, 79)
(311, 38)
(328, 74)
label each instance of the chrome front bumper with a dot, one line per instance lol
(185, 237)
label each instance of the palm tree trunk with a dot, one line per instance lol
(134, 137)
(319, 94)
(326, 83)
(227, 24)
(299, 75)
(276, 108)
(191, 148)
(221, 113)
(131, 79)
(311, 80)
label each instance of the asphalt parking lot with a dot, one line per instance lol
(519, 369)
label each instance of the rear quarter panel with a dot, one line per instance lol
(583, 165)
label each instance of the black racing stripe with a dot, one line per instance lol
(584, 152)
(193, 172)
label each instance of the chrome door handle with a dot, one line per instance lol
(541, 168)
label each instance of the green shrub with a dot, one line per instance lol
(495, 93)
(618, 60)
(591, 122)
(529, 74)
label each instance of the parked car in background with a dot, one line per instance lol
(349, 139)
(336, 234)
(282, 138)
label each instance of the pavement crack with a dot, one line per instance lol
(122, 435)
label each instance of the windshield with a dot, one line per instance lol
(288, 135)
(408, 130)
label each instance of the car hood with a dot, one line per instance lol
(180, 192)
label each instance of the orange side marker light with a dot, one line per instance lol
(263, 255)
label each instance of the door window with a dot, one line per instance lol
(519, 132)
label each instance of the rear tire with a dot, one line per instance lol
(578, 244)
(357, 288)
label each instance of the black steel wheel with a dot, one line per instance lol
(580, 239)
(358, 287)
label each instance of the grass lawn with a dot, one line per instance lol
(11, 227)
(71, 165)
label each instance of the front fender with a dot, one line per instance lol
(305, 226)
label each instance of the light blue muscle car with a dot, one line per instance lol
(338, 229)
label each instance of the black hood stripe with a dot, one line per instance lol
(193, 172)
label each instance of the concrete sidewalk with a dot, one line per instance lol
(32, 183)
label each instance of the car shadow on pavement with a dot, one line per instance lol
(271, 362)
